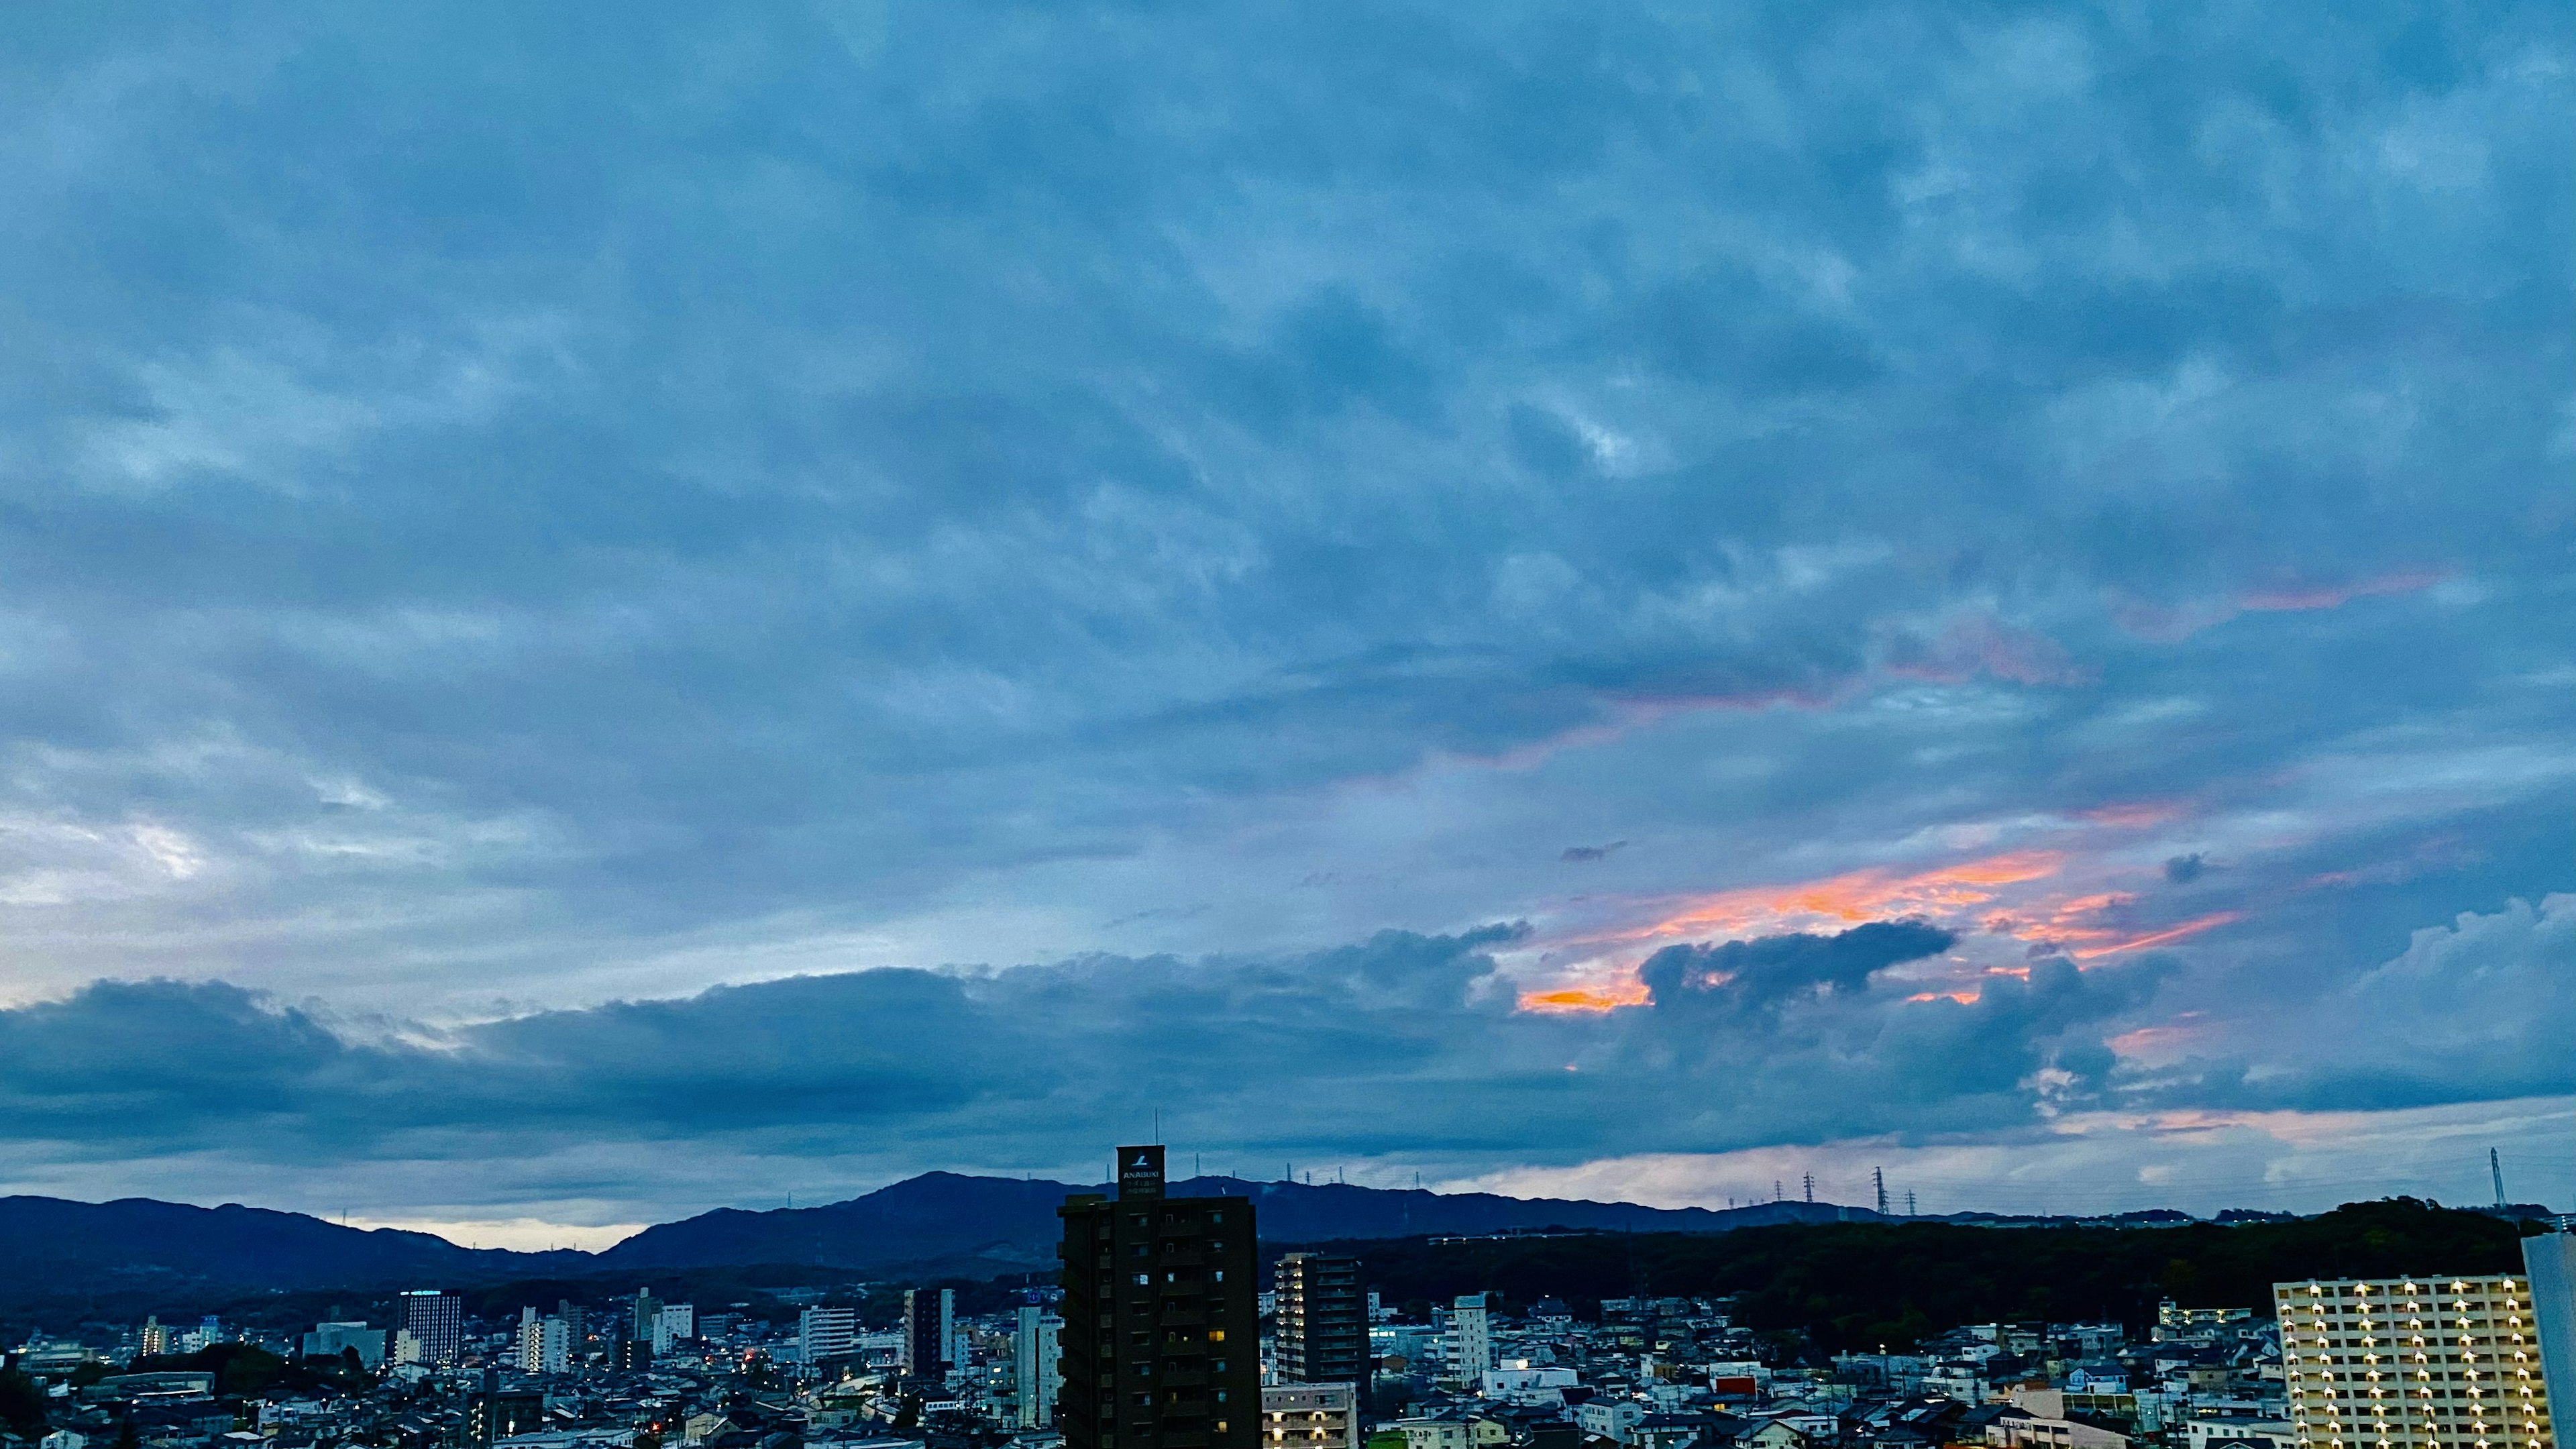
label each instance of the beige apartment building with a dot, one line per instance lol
(2413, 1363)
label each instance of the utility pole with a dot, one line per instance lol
(2495, 1166)
(1878, 1176)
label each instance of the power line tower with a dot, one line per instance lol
(1878, 1178)
(1909, 1202)
(2495, 1167)
(1811, 1187)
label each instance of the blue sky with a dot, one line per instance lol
(609, 615)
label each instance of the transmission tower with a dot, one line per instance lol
(2495, 1166)
(1878, 1178)
(1811, 1187)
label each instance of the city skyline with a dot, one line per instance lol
(608, 620)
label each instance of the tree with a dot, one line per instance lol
(22, 1404)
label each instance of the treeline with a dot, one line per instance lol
(1856, 1286)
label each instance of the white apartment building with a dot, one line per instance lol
(2426, 1363)
(823, 1333)
(545, 1344)
(1310, 1416)
(1471, 1337)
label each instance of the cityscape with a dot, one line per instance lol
(1172, 1324)
(1287, 724)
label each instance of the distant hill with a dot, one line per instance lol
(954, 1224)
(137, 1251)
(138, 1245)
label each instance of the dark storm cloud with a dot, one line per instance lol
(919, 1068)
(1750, 975)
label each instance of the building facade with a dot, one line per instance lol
(1310, 1416)
(436, 1322)
(827, 1333)
(1471, 1337)
(1033, 1365)
(1161, 1342)
(929, 1332)
(2549, 1265)
(2392, 1363)
(1321, 1320)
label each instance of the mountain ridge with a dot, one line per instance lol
(942, 1223)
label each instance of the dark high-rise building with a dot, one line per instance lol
(1322, 1320)
(436, 1322)
(929, 1332)
(495, 1414)
(1161, 1346)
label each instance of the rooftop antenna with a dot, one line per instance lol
(1878, 1175)
(2495, 1166)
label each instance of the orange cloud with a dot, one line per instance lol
(1861, 895)
(1608, 996)
(2192, 927)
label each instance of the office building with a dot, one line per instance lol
(1033, 1365)
(436, 1323)
(155, 1338)
(827, 1333)
(329, 1340)
(673, 1323)
(1471, 1337)
(1321, 1320)
(2391, 1363)
(929, 1332)
(643, 1320)
(1161, 1342)
(1310, 1416)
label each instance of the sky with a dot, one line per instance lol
(608, 614)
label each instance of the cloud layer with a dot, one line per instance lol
(535, 551)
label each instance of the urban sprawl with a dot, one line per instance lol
(1164, 1332)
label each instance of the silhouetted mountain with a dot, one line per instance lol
(139, 1244)
(957, 1222)
(136, 1250)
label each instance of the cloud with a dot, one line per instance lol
(785, 493)
(2184, 869)
(1583, 853)
(1752, 975)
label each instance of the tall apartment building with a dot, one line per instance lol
(436, 1323)
(827, 1333)
(1320, 1320)
(545, 1344)
(2425, 1363)
(1310, 1416)
(1033, 1365)
(929, 1332)
(1162, 1337)
(1471, 1337)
